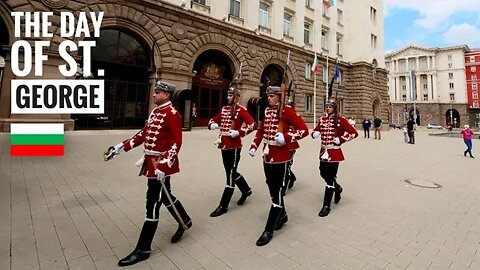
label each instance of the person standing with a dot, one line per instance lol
(194, 114)
(276, 155)
(467, 134)
(411, 131)
(366, 127)
(377, 125)
(235, 123)
(334, 131)
(162, 140)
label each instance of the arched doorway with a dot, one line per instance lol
(213, 74)
(411, 115)
(125, 61)
(271, 76)
(376, 107)
(452, 117)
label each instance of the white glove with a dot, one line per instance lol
(233, 133)
(315, 134)
(279, 138)
(252, 151)
(213, 126)
(336, 141)
(118, 148)
(159, 174)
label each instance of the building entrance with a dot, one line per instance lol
(125, 62)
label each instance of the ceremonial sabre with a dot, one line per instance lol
(109, 154)
(162, 182)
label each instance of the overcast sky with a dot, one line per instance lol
(431, 23)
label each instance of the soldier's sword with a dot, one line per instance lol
(162, 182)
(109, 154)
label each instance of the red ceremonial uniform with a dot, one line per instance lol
(329, 130)
(239, 120)
(161, 138)
(269, 127)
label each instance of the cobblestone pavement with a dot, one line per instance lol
(79, 212)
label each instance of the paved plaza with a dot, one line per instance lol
(79, 212)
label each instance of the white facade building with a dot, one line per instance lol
(351, 30)
(438, 79)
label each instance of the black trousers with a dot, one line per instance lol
(328, 171)
(156, 197)
(231, 158)
(276, 176)
(366, 133)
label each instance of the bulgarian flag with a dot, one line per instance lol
(36, 139)
(329, 3)
(315, 65)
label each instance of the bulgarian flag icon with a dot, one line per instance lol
(329, 3)
(36, 139)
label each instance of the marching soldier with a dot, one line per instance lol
(334, 131)
(162, 139)
(276, 155)
(235, 123)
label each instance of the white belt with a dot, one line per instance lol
(224, 133)
(153, 153)
(274, 143)
(330, 146)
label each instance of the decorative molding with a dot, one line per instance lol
(179, 31)
(55, 3)
(252, 50)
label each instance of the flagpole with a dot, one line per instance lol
(326, 86)
(314, 99)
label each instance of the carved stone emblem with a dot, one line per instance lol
(252, 49)
(55, 3)
(178, 31)
(213, 72)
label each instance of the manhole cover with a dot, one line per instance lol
(422, 183)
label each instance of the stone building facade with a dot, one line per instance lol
(433, 79)
(144, 41)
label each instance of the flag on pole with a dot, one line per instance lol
(329, 3)
(36, 139)
(315, 65)
(337, 73)
(412, 85)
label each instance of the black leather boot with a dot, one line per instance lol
(223, 207)
(281, 220)
(142, 250)
(186, 220)
(271, 221)
(244, 188)
(327, 200)
(338, 192)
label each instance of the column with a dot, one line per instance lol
(396, 65)
(418, 90)
(408, 90)
(434, 64)
(428, 62)
(416, 64)
(406, 64)
(397, 88)
(435, 87)
(429, 86)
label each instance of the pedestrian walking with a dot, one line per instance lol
(377, 126)
(334, 131)
(411, 130)
(276, 155)
(162, 140)
(234, 122)
(366, 127)
(467, 134)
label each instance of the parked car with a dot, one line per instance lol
(434, 126)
